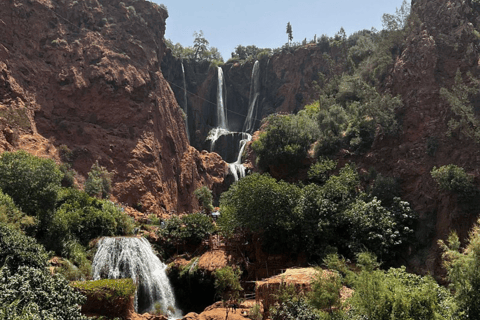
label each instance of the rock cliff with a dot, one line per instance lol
(86, 74)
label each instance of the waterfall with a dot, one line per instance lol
(118, 258)
(214, 134)
(254, 93)
(236, 168)
(221, 114)
(185, 103)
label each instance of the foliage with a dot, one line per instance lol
(68, 179)
(188, 230)
(17, 250)
(325, 294)
(397, 21)
(251, 52)
(259, 203)
(295, 308)
(453, 178)
(36, 294)
(99, 181)
(320, 171)
(107, 288)
(10, 214)
(463, 269)
(227, 283)
(255, 312)
(200, 51)
(286, 141)
(465, 120)
(197, 227)
(205, 197)
(289, 32)
(32, 182)
(385, 189)
(396, 294)
(82, 218)
(351, 113)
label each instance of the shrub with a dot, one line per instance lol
(197, 227)
(82, 218)
(205, 197)
(320, 171)
(385, 189)
(227, 283)
(453, 178)
(37, 294)
(258, 203)
(325, 294)
(463, 267)
(99, 181)
(286, 141)
(10, 214)
(18, 250)
(32, 182)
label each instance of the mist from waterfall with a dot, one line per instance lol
(252, 101)
(185, 102)
(123, 257)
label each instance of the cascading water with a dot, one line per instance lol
(237, 169)
(252, 101)
(185, 103)
(118, 258)
(221, 115)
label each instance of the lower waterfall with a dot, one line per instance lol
(118, 258)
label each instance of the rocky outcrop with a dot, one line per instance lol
(86, 74)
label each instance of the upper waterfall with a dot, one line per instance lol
(119, 257)
(185, 102)
(252, 101)
(221, 93)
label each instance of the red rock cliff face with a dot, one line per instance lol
(440, 43)
(86, 74)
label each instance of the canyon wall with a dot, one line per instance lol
(84, 77)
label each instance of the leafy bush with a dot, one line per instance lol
(17, 250)
(107, 288)
(258, 203)
(190, 229)
(32, 182)
(286, 141)
(227, 283)
(320, 171)
(82, 218)
(10, 214)
(36, 294)
(453, 178)
(396, 294)
(385, 189)
(205, 197)
(99, 181)
(325, 294)
(463, 267)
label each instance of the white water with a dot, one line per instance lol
(185, 106)
(214, 134)
(119, 258)
(236, 168)
(221, 115)
(252, 101)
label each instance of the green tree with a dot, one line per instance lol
(32, 182)
(32, 293)
(463, 269)
(17, 249)
(99, 181)
(205, 198)
(289, 32)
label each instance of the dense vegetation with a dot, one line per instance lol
(38, 214)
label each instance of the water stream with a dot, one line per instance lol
(119, 258)
(254, 93)
(185, 102)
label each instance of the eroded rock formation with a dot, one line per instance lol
(86, 74)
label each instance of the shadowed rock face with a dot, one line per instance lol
(86, 74)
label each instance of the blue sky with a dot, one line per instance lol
(226, 24)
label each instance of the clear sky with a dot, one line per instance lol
(228, 23)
